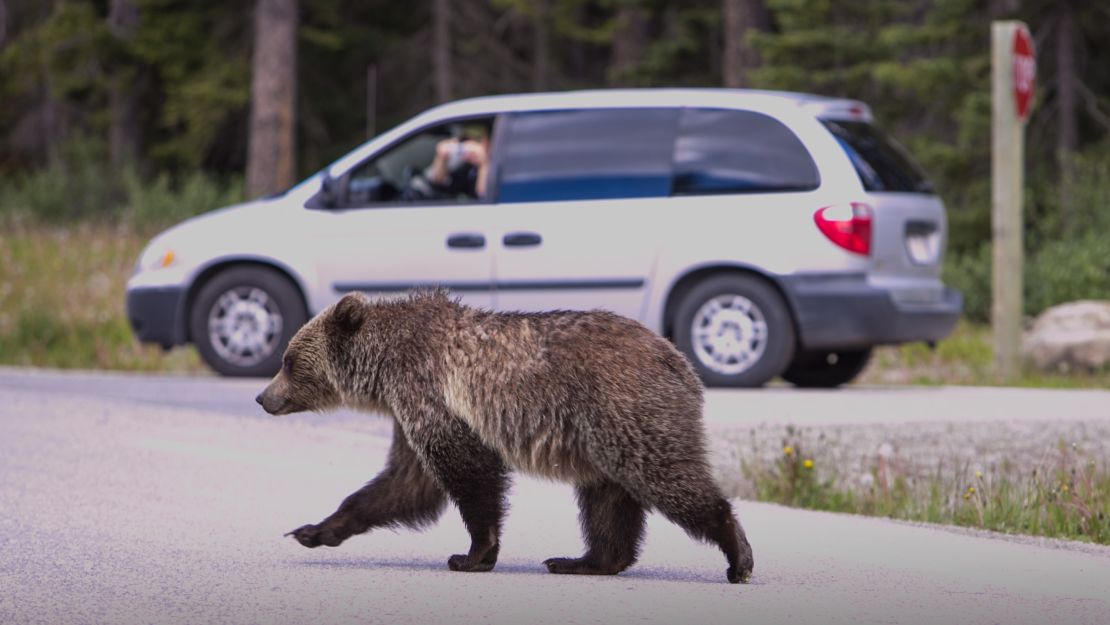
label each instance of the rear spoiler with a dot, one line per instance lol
(845, 110)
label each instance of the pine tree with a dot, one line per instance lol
(924, 67)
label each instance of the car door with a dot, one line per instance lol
(582, 197)
(383, 239)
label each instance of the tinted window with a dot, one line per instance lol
(587, 155)
(723, 151)
(881, 163)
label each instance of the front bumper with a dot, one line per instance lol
(843, 311)
(157, 315)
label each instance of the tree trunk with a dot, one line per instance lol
(441, 49)
(3, 23)
(741, 18)
(123, 94)
(630, 43)
(541, 67)
(271, 157)
(1067, 135)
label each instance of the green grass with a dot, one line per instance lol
(62, 295)
(964, 358)
(1064, 495)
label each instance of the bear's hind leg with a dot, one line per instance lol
(402, 494)
(712, 520)
(613, 524)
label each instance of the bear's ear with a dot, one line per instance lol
(349, 314)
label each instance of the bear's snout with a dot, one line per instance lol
(271, 402)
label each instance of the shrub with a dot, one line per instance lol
(971, 274)
(160, 201)
(1065, 271)
(81, 186)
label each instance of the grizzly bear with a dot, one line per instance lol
(589, 398)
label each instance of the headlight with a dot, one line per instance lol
(155, 257)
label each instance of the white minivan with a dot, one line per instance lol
(765, 233)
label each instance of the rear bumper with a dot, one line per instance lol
(157, 315)
(842, 311)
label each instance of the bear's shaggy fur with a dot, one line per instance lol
(589, 398)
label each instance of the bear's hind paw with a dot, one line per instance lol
(580, 566)
(736, 576)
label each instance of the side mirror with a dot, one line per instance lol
(329, 191)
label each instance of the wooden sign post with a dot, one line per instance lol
(1013, 72)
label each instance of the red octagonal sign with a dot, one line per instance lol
(1025, 71)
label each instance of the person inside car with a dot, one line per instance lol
(461, 165)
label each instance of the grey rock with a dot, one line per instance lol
(1072, 336)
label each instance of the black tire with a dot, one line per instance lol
(268, 305)
(826, 369)
(739, 359)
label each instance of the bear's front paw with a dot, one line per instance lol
(463, 562)
(313, 536)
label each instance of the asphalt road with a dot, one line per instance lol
(141, 499)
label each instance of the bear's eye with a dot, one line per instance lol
(287, 365)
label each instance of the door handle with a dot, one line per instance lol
(521, 239)
(466, 240)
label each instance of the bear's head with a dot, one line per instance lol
(322, 359)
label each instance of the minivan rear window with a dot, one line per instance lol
(727, 151)
(882, 164)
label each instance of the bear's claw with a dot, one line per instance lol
(312, 536)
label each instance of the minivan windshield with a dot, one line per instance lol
(881, 163)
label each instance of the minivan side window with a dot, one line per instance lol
(587, 154)
(722, 151)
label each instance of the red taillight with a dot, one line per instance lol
(847, 225)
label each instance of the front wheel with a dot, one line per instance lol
(243, 318)
(826, 369)
(736, 330)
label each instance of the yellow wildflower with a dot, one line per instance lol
(788, 450)
(971, 490)
(808, 463)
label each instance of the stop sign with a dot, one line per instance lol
(1025, 71)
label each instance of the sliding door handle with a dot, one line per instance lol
(521, 239)
(466, 240)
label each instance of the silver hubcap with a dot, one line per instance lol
(244, 326)
(729, 334)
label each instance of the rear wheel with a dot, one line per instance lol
(826, 369)
(243, 318)
(735, 329)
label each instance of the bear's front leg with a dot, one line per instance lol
(402, 494)
(474, 476)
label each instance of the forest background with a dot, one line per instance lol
(136, 113)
